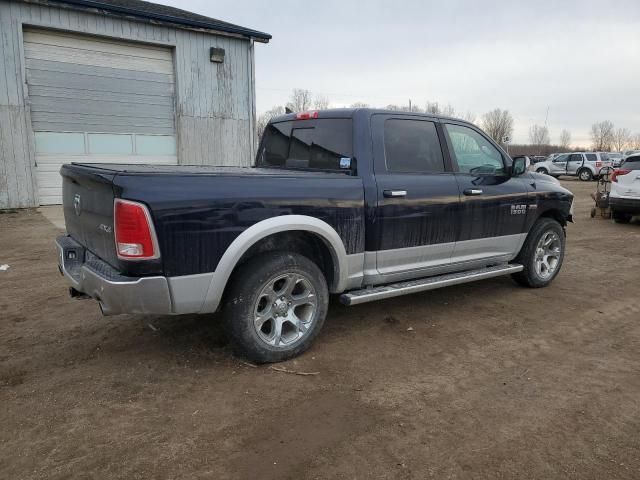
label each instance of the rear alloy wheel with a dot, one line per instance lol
(276, 305)
(585, 175)
(542, 254)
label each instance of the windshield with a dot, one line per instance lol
(319, 144)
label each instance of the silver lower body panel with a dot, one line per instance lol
(115, 293)
(424, 284)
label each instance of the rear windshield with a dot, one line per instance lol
(318, 144)
(632, 163)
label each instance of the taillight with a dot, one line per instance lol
(618, 172)
(306, 115)
(135, 237)
(598, 164)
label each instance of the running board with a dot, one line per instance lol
(423, 284)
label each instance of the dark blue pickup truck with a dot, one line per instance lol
(368, 204)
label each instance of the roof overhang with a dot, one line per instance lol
(213, 26)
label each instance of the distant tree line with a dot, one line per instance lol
(497, 123)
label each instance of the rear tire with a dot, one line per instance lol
(542, 254)
(620, 217)
(585, 175)
(275, 306)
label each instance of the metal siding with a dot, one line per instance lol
(214, 102)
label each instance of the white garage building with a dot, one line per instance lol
(120, 81)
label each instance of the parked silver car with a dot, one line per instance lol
(584, 165)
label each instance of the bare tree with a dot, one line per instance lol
(539, 135)
(621, 138)
(300, 100)
(635, 141)
(321, 102)
(602, 136)
(565, 139)
(359, 105)
(498, 124)
(264, 119)
(448, 110)
(469, 117)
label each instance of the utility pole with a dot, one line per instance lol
(410, 105)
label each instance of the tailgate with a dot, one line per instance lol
(87, 198)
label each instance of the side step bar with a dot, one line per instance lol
(423, 284)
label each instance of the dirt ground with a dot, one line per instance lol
(486, 380)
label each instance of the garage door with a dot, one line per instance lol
(97, 100)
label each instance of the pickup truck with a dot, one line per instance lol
(367, 204)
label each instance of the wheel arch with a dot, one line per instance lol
(555, 214)
(249, 241)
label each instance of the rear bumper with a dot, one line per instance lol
(625, 205)
(115, 293)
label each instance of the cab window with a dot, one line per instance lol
(473, 152)
(322, 144)
(412, 146)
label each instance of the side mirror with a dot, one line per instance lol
(519, 166)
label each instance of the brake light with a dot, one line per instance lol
(135, 237)
(618, 172)
(306, 115)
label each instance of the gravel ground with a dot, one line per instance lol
(486, 380)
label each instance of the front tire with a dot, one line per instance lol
(542, 254)
(620, 217)
(275, 306)
(585, 175)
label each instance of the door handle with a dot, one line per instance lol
(395, 193)
(472, 191)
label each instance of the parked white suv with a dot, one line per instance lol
(624, 198)
(584, 165)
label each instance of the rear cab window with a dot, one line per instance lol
(324, 144)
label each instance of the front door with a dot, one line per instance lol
(415, 226)
(494, 205)
(559, 165)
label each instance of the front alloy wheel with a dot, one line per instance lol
(548, 252)
(542, 254)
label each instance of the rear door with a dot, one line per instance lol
(414, 230)
(493, 204)
(574, 163)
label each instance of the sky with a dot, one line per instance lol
(567, 63)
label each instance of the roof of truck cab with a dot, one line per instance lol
(350, 112)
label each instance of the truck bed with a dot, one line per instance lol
(198, 211)
(130, 169)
